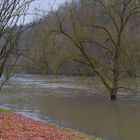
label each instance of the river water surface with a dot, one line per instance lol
(69, 102)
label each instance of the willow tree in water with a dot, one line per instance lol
(117, 13)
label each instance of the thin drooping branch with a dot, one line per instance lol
(108, 33)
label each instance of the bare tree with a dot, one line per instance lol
(118, 14)
(12, 12)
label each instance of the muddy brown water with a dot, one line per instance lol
(68, 102)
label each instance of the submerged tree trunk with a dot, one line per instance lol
(113, 95)
(115, 80)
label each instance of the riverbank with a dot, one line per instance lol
(18, 127)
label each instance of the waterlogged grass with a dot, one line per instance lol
(4, 110)
(80, 135)
(127, 86)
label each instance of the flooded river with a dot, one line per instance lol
(68, 102)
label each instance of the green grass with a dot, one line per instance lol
(81, 134)
(4, 110)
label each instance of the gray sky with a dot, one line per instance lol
(42, 4)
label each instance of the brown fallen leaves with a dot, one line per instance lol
(17, 127)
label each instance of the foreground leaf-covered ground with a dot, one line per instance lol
(17, 127)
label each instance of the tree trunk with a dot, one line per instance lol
(113, 95)
(115, 82)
